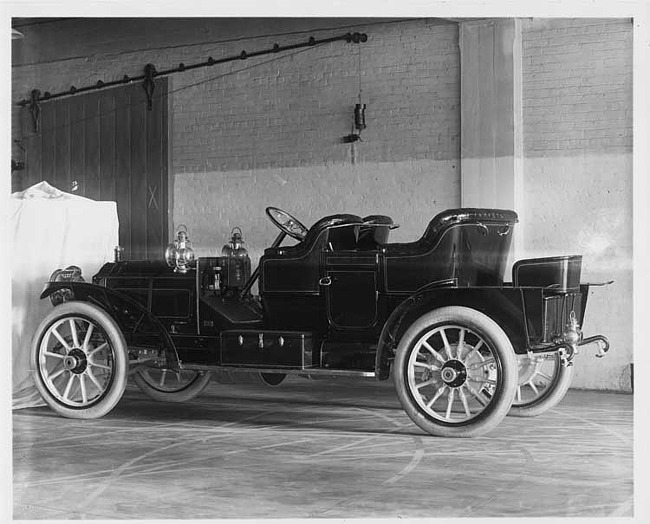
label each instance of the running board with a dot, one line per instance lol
(301, 372)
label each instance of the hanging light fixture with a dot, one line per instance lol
(359, 111)
(360, 116)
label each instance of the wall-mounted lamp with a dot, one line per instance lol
(15, 34)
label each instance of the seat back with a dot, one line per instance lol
(341, 231)
(469, 245)
(374, 231)
(344, 236)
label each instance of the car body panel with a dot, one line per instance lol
(340, 299)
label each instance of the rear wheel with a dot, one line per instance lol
(543, 382)
(79, 360)
(273, 379)
(166, 385)
(455, 372)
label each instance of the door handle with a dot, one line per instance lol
(325, 281)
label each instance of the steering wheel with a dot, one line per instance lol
(287, 223)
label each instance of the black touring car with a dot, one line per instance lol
(464, 346)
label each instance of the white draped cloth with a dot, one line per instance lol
(51, 230)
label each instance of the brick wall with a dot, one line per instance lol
(280, 110)
(577, 86)
(577, 109)
(295, 110)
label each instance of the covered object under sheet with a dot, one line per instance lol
(51, 229)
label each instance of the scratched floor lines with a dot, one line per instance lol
(330, 449)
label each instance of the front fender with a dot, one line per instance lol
(502, 304)
(133, 318)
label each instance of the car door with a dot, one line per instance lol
(349, 282)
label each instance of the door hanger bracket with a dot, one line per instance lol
(149, 84)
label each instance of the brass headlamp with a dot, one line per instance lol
(179, 254)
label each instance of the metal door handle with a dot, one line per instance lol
(325, 281)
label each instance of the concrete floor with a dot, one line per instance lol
(318, 449)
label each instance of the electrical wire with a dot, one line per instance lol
(359, 72)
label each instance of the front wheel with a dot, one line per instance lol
(543, 382)
(79, 360)
(166, 385)
(455, 372)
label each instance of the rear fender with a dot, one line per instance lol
(134, 320)
(503, 305)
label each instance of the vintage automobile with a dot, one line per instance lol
(464, 347)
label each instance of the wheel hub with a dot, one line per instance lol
(454, 373)
(75, 361)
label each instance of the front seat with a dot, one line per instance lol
(296, 268)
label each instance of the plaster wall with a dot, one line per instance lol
(212, 203)
(592, 218)
(577, 110)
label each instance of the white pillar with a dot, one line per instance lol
(491, 117)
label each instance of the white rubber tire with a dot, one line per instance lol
(561, 381)
(107, 397)
(494, 337)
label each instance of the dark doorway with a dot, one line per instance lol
(106, 145)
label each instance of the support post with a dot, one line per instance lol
(492, 117)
